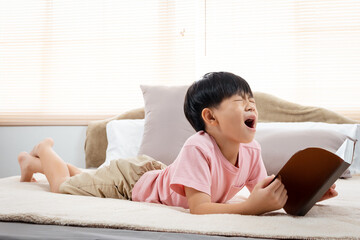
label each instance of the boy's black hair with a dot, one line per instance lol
(209, 92)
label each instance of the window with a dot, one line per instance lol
(74, 61)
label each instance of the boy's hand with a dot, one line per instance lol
(267, 197)
(330, 193)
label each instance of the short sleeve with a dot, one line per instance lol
(192, 170)
(258, 172)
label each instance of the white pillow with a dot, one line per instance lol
(279, 145)
(124, 139)
(125, 136)
(351, 130)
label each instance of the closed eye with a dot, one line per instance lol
(241, 100)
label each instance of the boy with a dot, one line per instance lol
(212, 166)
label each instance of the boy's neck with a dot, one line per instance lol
(229, 149)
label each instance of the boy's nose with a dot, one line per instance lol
(250, 107)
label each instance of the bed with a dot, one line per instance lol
(29, 210)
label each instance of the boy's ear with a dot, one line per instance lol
(208, 116)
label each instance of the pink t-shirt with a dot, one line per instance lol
(202, 166)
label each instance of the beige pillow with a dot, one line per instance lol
(277, 146)
(274, 109)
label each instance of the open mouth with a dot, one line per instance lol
(250, 123)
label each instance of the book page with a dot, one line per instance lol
(347, 150)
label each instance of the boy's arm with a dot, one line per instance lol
(200, 203)
(264, 198)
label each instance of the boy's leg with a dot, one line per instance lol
(54, 168)
(28, 166)
(72, 169)
(113, 181)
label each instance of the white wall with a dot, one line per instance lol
(69, 144)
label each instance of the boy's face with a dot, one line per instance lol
(237, 118)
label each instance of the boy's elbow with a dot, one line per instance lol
(195, 211)
(198, 210)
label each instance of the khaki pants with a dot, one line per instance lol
(113, 181)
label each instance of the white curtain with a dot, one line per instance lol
(85, 59)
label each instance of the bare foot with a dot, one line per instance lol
(28, 166)
(34, 151)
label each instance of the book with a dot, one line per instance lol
(309, 173)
